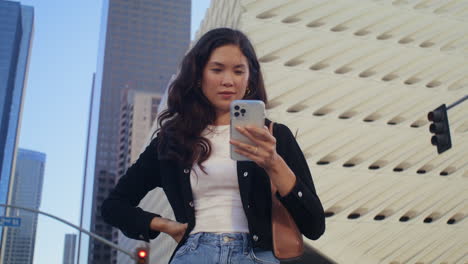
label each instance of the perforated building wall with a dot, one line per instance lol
(355, 80)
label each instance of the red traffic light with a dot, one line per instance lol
(142, 253)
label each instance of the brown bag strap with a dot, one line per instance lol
(273, 187)
(286, 237)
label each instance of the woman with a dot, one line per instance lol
(222, 207)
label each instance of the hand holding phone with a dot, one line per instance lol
(245, 113)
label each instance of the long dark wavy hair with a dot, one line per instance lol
(188, 111)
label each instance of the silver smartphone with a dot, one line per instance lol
(243, 113)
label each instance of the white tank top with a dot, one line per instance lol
(218, 205)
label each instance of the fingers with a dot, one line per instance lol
(251, 152)
(261, 133)
(259, 136)
(263, 147)
(246, 148)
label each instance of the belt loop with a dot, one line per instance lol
(246, 240)
(195, 240)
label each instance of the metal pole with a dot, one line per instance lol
(457, 102)
(97, 237)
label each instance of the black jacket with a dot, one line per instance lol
(120, 208)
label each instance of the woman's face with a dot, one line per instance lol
(225, 77)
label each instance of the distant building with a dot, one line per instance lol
(26, 192)
(16, 32)
(69, 249)
(142, 43)
(138, 113)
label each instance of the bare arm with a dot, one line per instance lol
(175, 229)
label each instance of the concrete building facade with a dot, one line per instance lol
(138, 114)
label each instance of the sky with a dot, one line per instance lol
(56, 104)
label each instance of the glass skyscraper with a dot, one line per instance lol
(141, 45)
(26, 191)
(16, 30)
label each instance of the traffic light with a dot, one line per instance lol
(142, 255)
(440, 127)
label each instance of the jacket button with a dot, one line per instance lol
(246, 174)
(191, 203)
(186, 171)
(255, 238)
(299, 194)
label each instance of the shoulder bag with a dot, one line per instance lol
(286, 237)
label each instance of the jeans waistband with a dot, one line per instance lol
(220, 239)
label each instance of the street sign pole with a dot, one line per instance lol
(99, 238)
(10, 221)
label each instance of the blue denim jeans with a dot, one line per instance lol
(211, 248)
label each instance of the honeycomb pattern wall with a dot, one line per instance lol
(355, 79)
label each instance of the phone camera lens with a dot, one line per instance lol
(236, 114)
(243, 111)
(236, 107)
